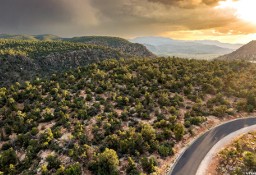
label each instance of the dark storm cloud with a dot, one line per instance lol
(112, 17)
(24, 14)
(62, 17)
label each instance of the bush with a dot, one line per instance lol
(179, 131)
(53, 162)
(131, 168)
(148, 164)
(220, 111)
(165, 149)
(250, 160)
(7, 158)
(106, 163)
(74, 169)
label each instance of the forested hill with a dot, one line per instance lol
(116, 116)
(121, 45)
(24, 59)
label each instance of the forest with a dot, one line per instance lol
(42, 45)
(115, 116)
(30, 48)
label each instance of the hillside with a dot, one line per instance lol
(116, 117)
(246, 52)
(23, 60)
(121, 45)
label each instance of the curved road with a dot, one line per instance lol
(190, 160)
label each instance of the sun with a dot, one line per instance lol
(244, 9)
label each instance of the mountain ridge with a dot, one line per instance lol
(247, 52)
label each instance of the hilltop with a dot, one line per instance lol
(246, 52)
(120, 44)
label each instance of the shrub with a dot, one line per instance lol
(165, 149)
(131, 167)
(53, 162)
(148, 164)
(179, 131)
(106, 163)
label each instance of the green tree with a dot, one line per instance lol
(8, 158)
(148, 132)
(148, 164)
(53, 162)
(131, 167)
(106, 163)
(74, 169)
(179, 131)
(250, 160)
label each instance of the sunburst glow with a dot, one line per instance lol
(244, 9)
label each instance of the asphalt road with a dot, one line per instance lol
(190, 160)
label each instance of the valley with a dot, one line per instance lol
(197, 49)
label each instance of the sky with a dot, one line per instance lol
(232, 21)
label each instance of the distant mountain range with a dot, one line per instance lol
(246, 52)
(168, 47)
(45, 37)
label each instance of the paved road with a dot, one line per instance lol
(189, 162)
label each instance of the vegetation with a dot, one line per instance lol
(46, 37)
(101, 40)
(22, 60)
(119, 44)
(35, 49)
(106, 163)
(50, 43)
(116, 115)
(239, 157)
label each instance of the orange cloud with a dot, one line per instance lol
(125, 18)
(187, 3)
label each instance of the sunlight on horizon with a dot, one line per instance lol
(242, 10)
(245, 9)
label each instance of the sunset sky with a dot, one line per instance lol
(227, 21)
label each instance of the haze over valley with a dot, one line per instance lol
(203, 49)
